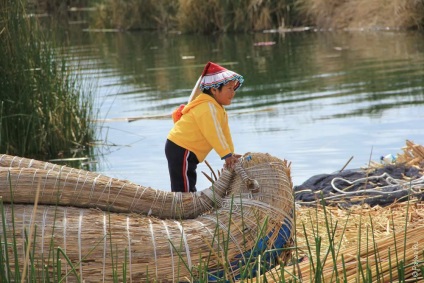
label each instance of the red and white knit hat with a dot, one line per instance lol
(214, 76)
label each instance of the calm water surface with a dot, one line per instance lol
(315, 99)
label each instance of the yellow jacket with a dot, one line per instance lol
(203, 127)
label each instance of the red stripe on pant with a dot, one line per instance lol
(185, 177)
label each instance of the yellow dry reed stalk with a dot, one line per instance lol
(382, 220)
(167, 249)
(386, 256)
(363, 235)
(413, 154)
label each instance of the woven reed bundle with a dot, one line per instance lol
(364, 233)
(260, 193)
(68, 186)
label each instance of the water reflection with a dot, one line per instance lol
(313, 98)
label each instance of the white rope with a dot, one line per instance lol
(133, 199)
(194, 200)
(64, 183)
(107, 187)
(177, 204)
(53, 166)
(93, 187)
(392, 182)
(20, 161)
(171, 249)
(152, 232)
(214, 197)
(155, 200)
(104, 244)
(30, 163)
(42, 229)
(24, 221)
(76, 187)
(163, 206)
(65, 223)
(416, 186)
(187, 248)
(129, 246)
(140, 197)
(19, 176)
(203, 203)
(173, 204)
(117, 195)
(81, 190)
(46, 177)
(13, 160)
(79, 243)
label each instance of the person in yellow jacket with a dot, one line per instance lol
(200, 126)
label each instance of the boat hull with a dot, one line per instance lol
(252, 217)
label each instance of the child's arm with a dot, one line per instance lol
(214, 127)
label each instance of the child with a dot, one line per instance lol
(202, 126)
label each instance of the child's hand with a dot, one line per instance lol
(231, 161)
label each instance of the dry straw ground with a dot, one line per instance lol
(386, 240)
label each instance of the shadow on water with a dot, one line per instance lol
(314, 98)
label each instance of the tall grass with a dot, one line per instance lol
(45, 111)
(363, 14)
(195, 16)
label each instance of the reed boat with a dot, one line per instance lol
(72, 225)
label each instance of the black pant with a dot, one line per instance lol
(182, 165)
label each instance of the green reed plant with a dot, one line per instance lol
(45, 109)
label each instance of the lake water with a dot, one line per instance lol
(313, 98)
